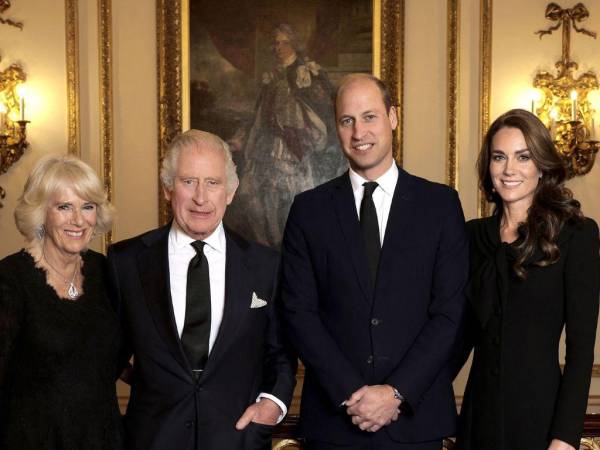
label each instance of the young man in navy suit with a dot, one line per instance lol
(210, 370)
(373, 268)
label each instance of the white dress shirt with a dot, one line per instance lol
(181, 253)
(382, 196)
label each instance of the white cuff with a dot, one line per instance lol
(278, 402)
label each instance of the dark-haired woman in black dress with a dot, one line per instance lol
(535, 270)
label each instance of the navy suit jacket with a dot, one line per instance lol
(401, 333)
(168, 409)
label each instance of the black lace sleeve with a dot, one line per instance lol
(11, 314)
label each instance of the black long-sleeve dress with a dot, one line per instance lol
(58, 360)
(516, 397)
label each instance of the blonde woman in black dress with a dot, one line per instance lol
(534, 271)
(59, 335)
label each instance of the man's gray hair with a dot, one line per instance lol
(196, 139)
(293, 36)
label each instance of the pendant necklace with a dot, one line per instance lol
(72, 292)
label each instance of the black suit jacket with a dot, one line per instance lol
(402, 334)
(167, 408)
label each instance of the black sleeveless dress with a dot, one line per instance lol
(58, 361)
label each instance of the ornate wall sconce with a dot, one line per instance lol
(565, 108)
(13, 136)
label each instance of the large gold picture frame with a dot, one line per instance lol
(388, 63)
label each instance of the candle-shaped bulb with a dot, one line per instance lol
(21, 92)
(573, 105)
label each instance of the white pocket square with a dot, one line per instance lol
(257, 302)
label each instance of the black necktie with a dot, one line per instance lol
(370, 228)
(196, 328)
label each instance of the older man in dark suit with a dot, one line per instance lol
(210, 370)
(373, 268)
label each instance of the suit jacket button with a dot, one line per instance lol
(370, 359)
(189, 423)
(199, 388)
(375, 321)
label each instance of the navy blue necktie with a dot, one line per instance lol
(370, 228)
(196, 328)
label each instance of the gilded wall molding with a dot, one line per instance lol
(168, 41)
(392, 63)
(72, 52)
(485, 79)
(453, 49)
(106, 99)
(590, 444)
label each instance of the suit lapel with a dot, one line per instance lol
(153, 263)
(238, 295)
(345, 208)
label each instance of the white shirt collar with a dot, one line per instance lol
(179, 239)
(387, 181)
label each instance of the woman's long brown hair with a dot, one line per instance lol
(553, 204)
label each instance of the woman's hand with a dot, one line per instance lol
(557, 444)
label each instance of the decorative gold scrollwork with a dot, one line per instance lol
(590, 444)
(287, 443)
(566, 110)
(13, 138)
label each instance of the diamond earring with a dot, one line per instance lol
(40, 232)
